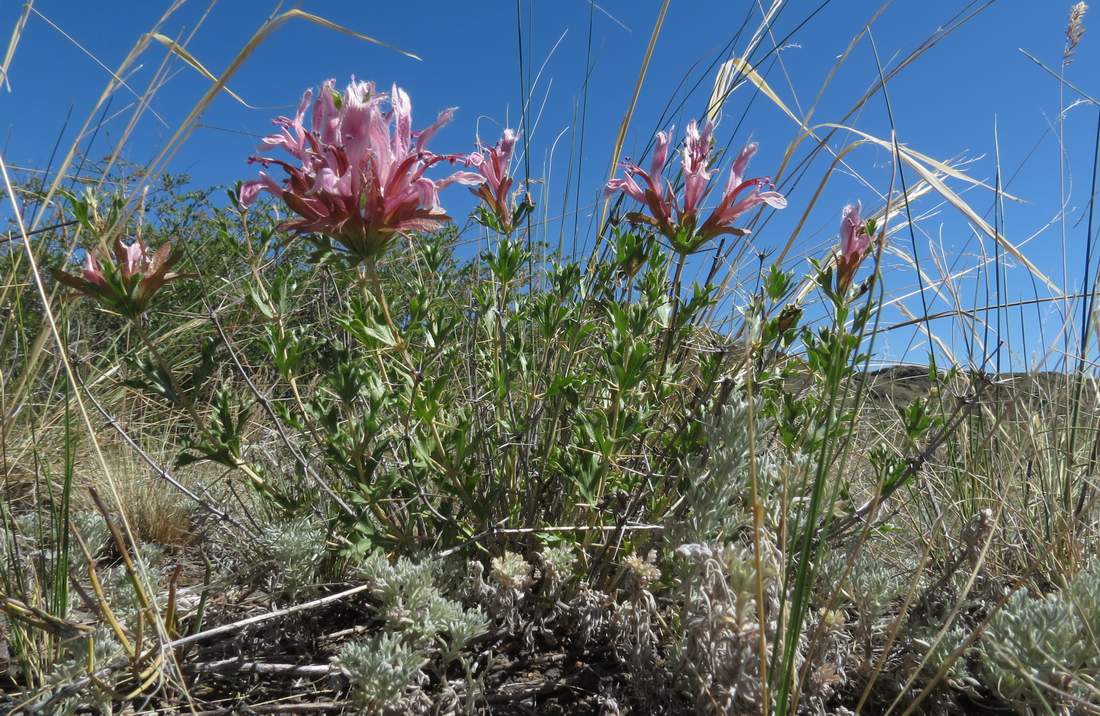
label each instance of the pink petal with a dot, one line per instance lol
(425, 135)
(850, 227)
(737, 171)
(92, 271)
(660, 152)
(508, 142)
(773, 199)
(135, 259)
(464, 178)
(628, 186)
(402, 120)
(326, 117)
(249, 191)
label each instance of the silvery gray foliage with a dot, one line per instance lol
(74, 666)
(296, 549)
(406, 589)
(380, 670)
(875, 587)
(588, 614)
(832, 654)
(716, 499)
(936, 653)
(872, 587)
(1034, 646)
(92, 529)
(558, 564)
(1083, 593)
(523, 599)
(717, 503)
(120, 589)
(28, 527)
(638, 640)
(512, 571)
(718, 646)
(31, 526)
(33, 540)
(454, 625)
(411, 603)
(511, 578)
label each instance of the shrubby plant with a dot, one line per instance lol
(383, 404)
(683, 496)
(588, 381)
(1039, 650)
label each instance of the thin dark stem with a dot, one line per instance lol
(1086, 313)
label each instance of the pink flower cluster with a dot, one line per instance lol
(492, 179)
(678, 218)
(358, 174)
(128, 283)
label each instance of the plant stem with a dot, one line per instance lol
(375, 285)
(675, 312)
(183, 398)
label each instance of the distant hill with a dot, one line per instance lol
(1047, 390)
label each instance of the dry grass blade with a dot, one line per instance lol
(116, 77)
(329, 24)
(63, 169)
(260, 618)
(741, 66)
(13, 42)
(728, 71)
(915, 160)
(193, 62)
(1061, 79)
(40, 619)
(101, 601)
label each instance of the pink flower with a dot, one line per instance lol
(696, 158)
(93, 274)
(730, 208)
(657, 196)
(854, 244)
(127, 284)
(854, 240)
(677, 219)
(492, 177)
(358, 171)
(132, 258)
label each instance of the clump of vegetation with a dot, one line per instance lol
(355, 463)
(380, 670)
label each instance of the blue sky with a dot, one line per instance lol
(945, 105)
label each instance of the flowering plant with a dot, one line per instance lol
(678, 218)
(359, 172)
(126, 282)
(493, 183)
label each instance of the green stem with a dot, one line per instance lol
(375, 285)
(675, 313)
(183, 398)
